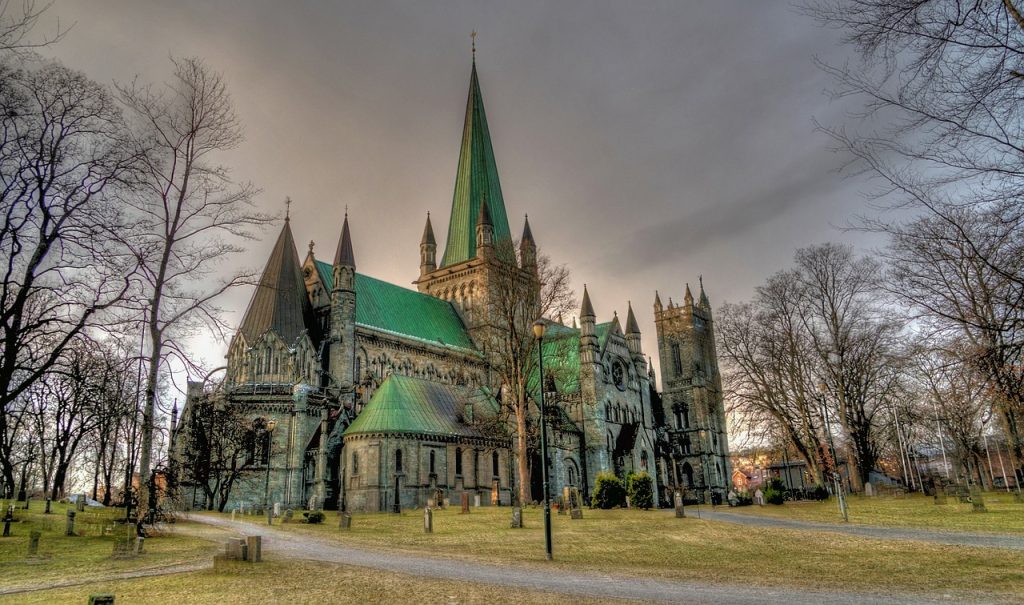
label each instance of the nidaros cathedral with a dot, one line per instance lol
(380, 392)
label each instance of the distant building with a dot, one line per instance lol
(383, 393)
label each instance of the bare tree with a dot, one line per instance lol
(942, 83)
(63, 159)
(17, 23)
(191, 214)
(521, 293)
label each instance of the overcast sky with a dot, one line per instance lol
(650, 142)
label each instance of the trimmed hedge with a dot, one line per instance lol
(608, 491)
(640, 489)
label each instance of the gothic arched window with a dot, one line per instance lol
(432, 462)
(398, 461)
(494, 464)
(458, 461)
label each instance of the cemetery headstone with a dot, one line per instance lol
(138, 545)
(288, 515)
(517, 517)
(465, 503)
(122, 547)
(80, 503)
(233, 511)
(101, 599)
(940, 496)
(69, 529)
(345, 521)
(869, 490)
(8, 517)
(476, 500)
(575, 504)
(47, 511)
(236, 549)
(977, 501)
(33, 542)
(254, 545)
(277, 509)
(428, 520)
(680, 509)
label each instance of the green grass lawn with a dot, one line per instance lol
(1005, 515)
(655, 544)
(89, 553)
(295, 582)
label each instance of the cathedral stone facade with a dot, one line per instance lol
(386, 397)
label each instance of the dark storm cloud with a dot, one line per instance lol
(649, 141)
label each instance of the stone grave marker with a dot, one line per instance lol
(940, 496)
(517, 517)
(476, 500)
(428, 520)
(345, 520)
(233, 511)
(80, 503)
(236, 549)
(33, 542)
(47, 511)
(677, 499)
(69, 528)
(575, 504)
(122, 547)
(977, 501)
(465, 503)
(139, 541)
(869, 490)
(101, 599)
(8, 517)
(288, 515)
(254, 545)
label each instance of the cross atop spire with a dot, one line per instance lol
(473, 36)
(287, 208)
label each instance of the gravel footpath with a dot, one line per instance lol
(278, 543)
(871, 531)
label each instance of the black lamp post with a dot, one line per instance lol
(538, 331)
(266, 490)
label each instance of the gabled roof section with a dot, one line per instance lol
(280, 303)
(416, 406)
(398, 310)
(475, 179)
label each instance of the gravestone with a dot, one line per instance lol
(869, 490)
(439, 498)
(33, 542)
(288, 516)
(47, 511)
(940, 496)
(69, 528)
(465, 503)
(236, 549)
(345, 521)
(476, 500)
(101, 599)
(680, 509)
(80, 503)
(575, 504)
(277, 509)
(233, 511)
(517, 517)
(977, 502)
(428, 520)
(254, 545)
(138, 545)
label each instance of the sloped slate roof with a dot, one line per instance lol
(402, 311)
(280, 302)
(475, 179)
(409, 405)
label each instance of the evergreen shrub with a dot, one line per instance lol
(775, 493)
(608, 491)
(640, 489)
(316, 516)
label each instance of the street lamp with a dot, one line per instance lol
(269, 429)
(538, 331)
(822, 390)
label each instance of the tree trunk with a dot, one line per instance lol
(522, 467)
(149, 408)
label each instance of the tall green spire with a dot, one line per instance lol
(477, 178)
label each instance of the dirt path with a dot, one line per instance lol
(278, 543)
(871, 531)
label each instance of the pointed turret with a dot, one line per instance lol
(657, 303)
(688, 299)
(631, 325)
(527, 247)
(428, 249)
(475, 179)
(280, 302)
(344, 260)
(484, 231)
(586, 309)
(174, 417)
(704, 303)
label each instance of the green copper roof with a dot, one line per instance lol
(562, 355)
(477, 176)
(415, 406)
(391, 308)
